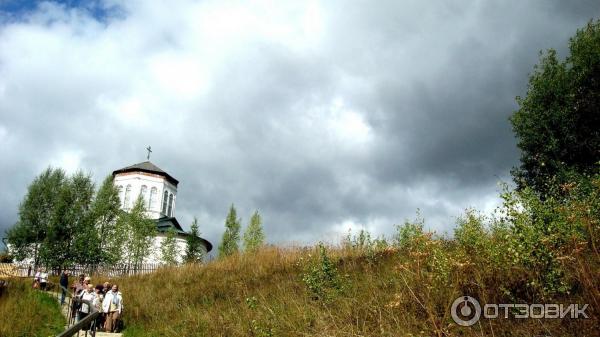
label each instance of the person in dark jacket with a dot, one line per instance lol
(64, 284)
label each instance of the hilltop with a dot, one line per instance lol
(330, 292)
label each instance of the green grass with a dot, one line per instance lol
(382, 293)
(25, 312)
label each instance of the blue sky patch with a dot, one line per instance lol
(97, 9)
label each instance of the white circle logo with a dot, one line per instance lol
(465, 311)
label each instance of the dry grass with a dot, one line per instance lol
(25, 312)
(389, 293)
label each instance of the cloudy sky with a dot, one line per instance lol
(324, 116)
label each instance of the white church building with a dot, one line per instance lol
(159, 192)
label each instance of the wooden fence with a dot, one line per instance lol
(116, 270)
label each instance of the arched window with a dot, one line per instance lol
(143, 191)
(164, 203)
(127, 197)
(152, 201)
(120, 189)
(171, 204)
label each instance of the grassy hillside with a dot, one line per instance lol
(530, 251)
(293, 292)
(25, 312)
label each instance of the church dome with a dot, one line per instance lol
(147, 167)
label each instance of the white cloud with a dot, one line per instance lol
(68, 160)
(324, 114)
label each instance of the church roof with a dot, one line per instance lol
(148, 167)
(163, 224)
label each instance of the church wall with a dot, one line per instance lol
(137, 180)
(156, 256)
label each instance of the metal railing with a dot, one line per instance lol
(106, 270)
(87, 325)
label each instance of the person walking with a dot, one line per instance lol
(113, 307)
(78, 286)
(36, 279)
(106, 287)
(100, 319)
(77, 289)
(64, 283)
(43, 280)
(87, 281)
(87, 295)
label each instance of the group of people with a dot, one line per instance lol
(105, 298)
(40, 279)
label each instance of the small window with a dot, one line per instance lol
(127, 197)
(164, 202)
(143, 191)
(120, 189)
(170, 205)
(152, 201)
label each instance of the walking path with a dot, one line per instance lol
(65, 311)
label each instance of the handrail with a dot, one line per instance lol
(84, 322)
(67, 291)
(91, 317)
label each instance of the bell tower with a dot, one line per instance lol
(156, 187)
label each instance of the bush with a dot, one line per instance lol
(321, 277)
(410, 234)
(362, 244)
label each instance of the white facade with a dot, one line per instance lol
(160, 196)
(156, 256)
(159, 192)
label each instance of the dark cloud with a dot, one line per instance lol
(323, 116)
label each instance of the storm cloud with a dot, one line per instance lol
(324, 116)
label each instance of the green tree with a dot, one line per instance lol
(71, 237)
(231, 236)
(194, 252)
(558, 121)
(137, 232)
(35, 215)
(254, 237)
(168, 247)
(105, 211)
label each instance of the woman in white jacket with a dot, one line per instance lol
(88, 295)
(112, 306)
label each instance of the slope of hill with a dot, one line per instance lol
(28, 312)
(352, 291)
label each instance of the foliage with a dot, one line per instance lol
(71, 236)
(543, 235)
(408, 232)
(321, 277)
(471, 234)
(25, 312)
(168, 248)
(105, 210)
(364, 244)
(194, 252)
(254, 237)
(231, 236)
(137, 232)
(62, 220)
(557, 122)
(36, 213)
